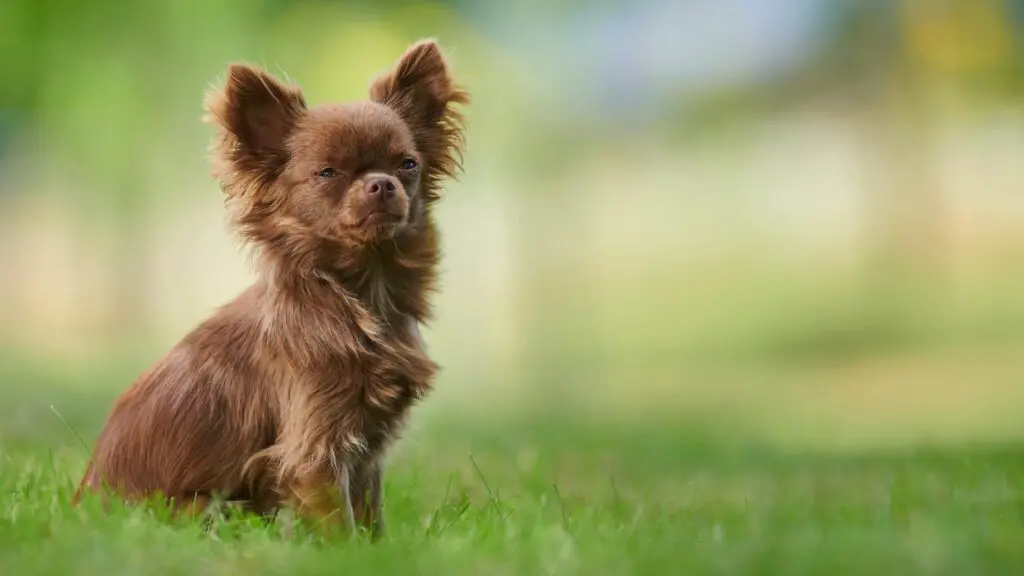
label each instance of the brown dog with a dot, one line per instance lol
(290, 394)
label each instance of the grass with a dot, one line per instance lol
(545, 495)
(568, 499)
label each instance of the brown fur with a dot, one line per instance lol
(290, 394)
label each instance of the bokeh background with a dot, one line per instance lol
(796, 221)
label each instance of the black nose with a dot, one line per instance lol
(381, 187)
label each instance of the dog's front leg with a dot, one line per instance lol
(324, 501)
(368, 493)
(345, 487)
(377, 500)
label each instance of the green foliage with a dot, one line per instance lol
(656, 508)
(533, 495)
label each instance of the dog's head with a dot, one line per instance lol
(310, 182)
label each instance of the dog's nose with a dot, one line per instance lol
(381, 187)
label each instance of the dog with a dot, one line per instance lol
(290, 395)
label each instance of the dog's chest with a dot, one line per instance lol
(383, 383)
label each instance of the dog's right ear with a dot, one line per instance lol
(256, 113)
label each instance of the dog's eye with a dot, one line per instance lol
(328, 173)
(409, 164)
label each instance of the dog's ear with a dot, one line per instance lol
(420, 89)
(256, 113)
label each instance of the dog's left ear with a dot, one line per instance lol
(420, 89)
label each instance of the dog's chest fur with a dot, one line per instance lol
(350, 374)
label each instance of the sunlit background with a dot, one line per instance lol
(799, 220)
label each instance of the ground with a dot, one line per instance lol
(539, 494)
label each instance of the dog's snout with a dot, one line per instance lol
(382, 187)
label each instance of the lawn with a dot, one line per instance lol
(539, 494)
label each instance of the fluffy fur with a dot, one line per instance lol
(290, 394)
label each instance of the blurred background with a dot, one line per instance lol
(801, 220)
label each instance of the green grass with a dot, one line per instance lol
(540, 494)
(537, 498)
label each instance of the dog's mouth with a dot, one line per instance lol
(381, 218)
